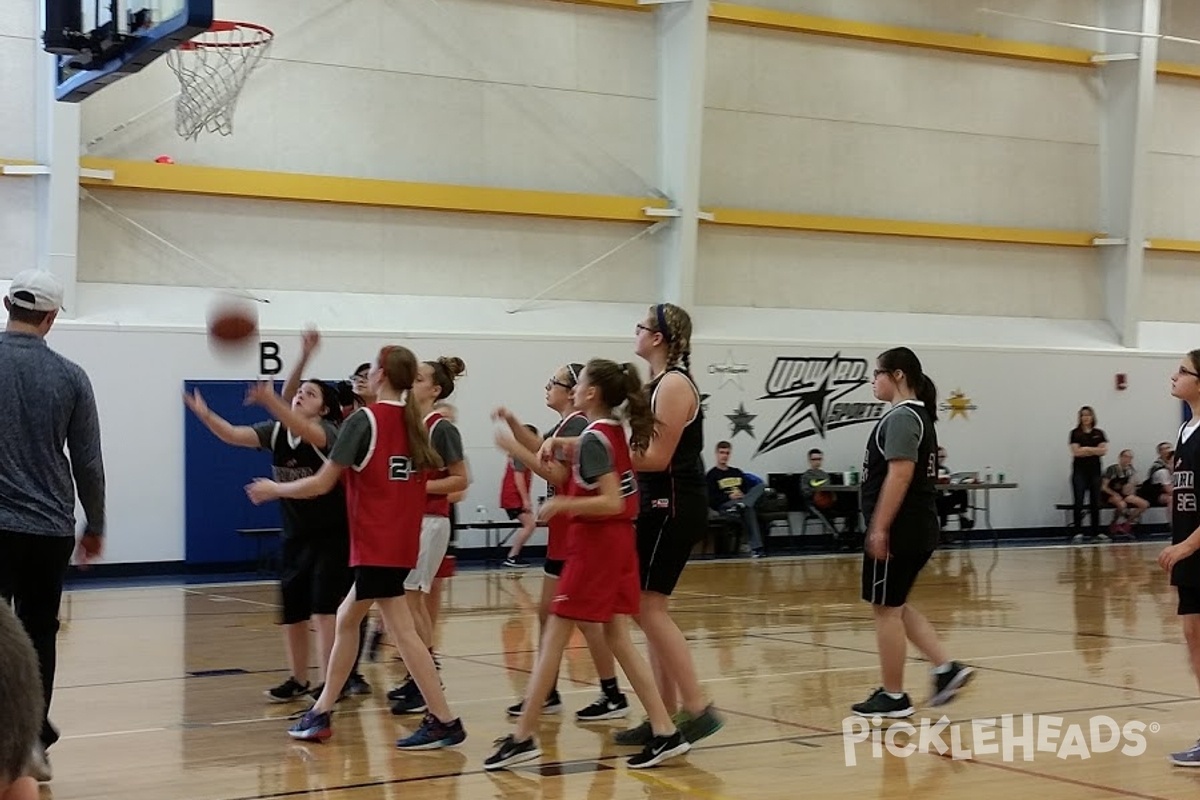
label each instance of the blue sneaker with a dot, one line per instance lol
(434, 734)
(314, 726)
(1187, 758)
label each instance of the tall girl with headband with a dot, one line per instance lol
(435, 382)
(674, 513)
(899, 502)
(524, 446)
(600, 578)
(384, 453)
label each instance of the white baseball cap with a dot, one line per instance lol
(36, 290)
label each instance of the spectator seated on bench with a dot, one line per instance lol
(733, 493)
(1118, 489)
(832, 506)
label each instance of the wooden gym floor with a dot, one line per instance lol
(160, 689)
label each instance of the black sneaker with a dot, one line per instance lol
(512, 752)
(514, 563)
(411, 704)
(406, 689)
(879, 704)
(947, 684)
(659, 750)
(605, 707)
(286, 692)
(553, 705)
(356, 684)
(639, 735)
(315, 692)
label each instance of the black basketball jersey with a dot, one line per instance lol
(685, 472)
(1184, 515)
(292, 458)
(916, 527)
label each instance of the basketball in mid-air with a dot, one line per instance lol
(232, 324)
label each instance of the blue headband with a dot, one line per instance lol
(661, 316)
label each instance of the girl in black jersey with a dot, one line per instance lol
(899, 502)
(315, 547)
(310, 340)
(673, 515)
(1181, 559)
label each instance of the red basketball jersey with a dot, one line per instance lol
(385, 496)
(437, 505)
(558, 529)
(600, 578)
(510, 496)
(612, 434)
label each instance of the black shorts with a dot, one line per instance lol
(513, 513)
(887, 583)
(314, 576)
(1189, 600)
(665, 542)
(379, 583)
(553, 567)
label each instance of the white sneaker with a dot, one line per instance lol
(39, 765)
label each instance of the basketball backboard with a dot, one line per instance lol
(99, 42)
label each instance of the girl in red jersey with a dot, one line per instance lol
(600, 578)
(516, 500)
(523, 446)
(435, 381)
(383, 450)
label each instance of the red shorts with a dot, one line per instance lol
(600, 578)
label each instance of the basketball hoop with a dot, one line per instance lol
(212, 69)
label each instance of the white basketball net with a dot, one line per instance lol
(212, 68)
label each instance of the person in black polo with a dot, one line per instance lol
(899, 501)
(1181, 559)
(1088, 445)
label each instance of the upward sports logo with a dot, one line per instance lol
(816, 384)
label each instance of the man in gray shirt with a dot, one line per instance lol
(46, 403)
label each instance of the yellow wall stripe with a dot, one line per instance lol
(752, 16)
(183, 179)
(1176, 69)
(1174, 245)
(149, 176)
(890, 227)
(892, 34)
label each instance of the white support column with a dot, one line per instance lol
(682, 43)
(1128, 96)
(57, 242)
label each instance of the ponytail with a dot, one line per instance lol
(927, 394)
(400, 371)
(420, 449)
(641, 417)
(620, 384)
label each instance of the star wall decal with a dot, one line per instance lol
(740, 420)
(958, 404)
(731, 371)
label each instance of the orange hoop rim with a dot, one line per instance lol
(224, 26)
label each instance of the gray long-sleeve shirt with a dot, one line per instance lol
(46, 402)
